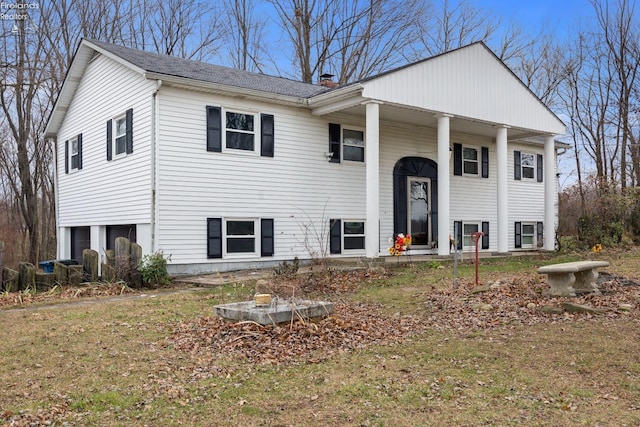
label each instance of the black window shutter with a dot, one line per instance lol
(485, 237)
(66, 157)
(214, 237)
(109, 140)
(457, 159)
(266, 239)
(80, 151)
(335, 239)
(214, 129)
(267, 135)
(485, 162)
(129, 123)
(540, 234)
(518, 234)
(539, 167)
(517, 169)
(334, 142)
(457, 232)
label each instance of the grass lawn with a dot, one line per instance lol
(114, 362)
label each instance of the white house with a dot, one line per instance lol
(225, 169)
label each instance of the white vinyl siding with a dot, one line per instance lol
(106, 192)
(453, 86)
(526, 196)
(194, 184)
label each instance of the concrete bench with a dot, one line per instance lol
(569, 278)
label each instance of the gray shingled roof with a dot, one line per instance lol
(202, 71)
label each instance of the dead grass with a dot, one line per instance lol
(114, 363)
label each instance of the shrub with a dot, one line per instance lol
(153, 268)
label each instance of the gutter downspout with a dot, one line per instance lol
(154, 163)
(56, 197)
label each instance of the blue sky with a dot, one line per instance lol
(557, 15)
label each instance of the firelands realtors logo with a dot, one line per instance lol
(16, 11)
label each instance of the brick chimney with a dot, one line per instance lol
(326, 80)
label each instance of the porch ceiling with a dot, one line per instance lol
(415, 117)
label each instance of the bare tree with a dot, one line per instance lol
(184, 28)
(601, 94)
(453, 25)
(356, 37)
(24, 151)
(621, 40)
(245, 34)
(375, 39)
(34, 58)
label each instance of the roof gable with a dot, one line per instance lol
(470, 82)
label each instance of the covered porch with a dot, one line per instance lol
(465, 92)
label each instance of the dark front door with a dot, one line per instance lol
(415, 200)
(419, 211)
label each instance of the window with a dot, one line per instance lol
(239, 131)
(463, 232)
(353, 145)
(466, 161)
(347, 235)
(528, 235)
(528, 166)
(120, 135)
(353, 235)
(73, 154)
(467, 231)
(241, 236)
(470, 161)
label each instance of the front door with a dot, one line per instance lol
(419, 211)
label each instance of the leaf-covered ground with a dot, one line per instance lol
(520, 301)
(59, 294)
(191, 349)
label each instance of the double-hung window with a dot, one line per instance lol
(239, 131)
(73, 154)
(463, 234)
(353, 145)
(467, 234)
(346, 235)
(470, 161)
(240, 236)
(527, 162)
(528, 166)
(120, 135)
(353, 235)
(528, 235)
(345, 144)
(234, 237)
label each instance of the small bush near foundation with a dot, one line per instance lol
(153, 268)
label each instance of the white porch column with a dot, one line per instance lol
(549, 193)
(372, 164)
(503, 199)
(443, 184)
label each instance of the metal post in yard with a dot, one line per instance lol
(475, 237)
